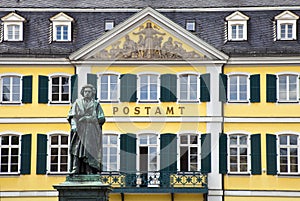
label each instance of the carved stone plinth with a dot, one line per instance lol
(83, 188)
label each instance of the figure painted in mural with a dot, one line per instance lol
(86, 118)
(149, 33)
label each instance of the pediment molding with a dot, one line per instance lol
(148, 35)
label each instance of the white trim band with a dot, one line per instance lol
(256, 193)
(161, 119)
(28, 194)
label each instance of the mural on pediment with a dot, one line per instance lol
(148, 42)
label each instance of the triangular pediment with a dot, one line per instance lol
(148, 35)
(287, 15)
(237, 16)
(13, 17)
(62, 17)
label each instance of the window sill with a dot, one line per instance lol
(238, 102)
(9, 174)
(57, 173)
(188, 101)
(108, 101)
(10, 103)
(148, 101)
(238, 174)
(59, 103)
(286, 102)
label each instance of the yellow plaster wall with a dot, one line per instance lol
(32, 181)
(190, 109)
(35, 109)
(163, 127)
(262, 109)
(229, 198)
(264, 181)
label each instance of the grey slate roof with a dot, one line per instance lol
(89, 26)
(144, 3)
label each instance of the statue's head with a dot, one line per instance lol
(88, 91)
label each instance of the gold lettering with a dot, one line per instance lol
(170, 110)
(125, 110)
(181, 109)
(137, 110)
(147, 108)
(157, 111)
(115, 109)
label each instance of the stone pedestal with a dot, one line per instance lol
(83, 188)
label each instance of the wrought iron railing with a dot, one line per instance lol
(161, 179)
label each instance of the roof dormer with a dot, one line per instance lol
(237, 26)
(286, 26)
(61, 27)
(13, 27)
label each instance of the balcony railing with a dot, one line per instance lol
(155, 181)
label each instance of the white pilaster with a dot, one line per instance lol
(214, 110)
(82, 71)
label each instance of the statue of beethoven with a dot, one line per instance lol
(86, 118)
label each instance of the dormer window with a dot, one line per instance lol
(237, 26)
(13, 27)
(109, 25)
(62, 27)
(190, 25)
(286, 26)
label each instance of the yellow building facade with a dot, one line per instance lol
(184, 121)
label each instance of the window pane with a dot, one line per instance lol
(54, 139)
(233, 139)
(64, 140)
(183, 139)
(193, 139)
(283, 139)
(243, 140)
(293, 139)
(4, 140)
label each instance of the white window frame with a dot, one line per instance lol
(58, 146)
(284, 18)
(61, 19)
(238, 87)
(190, 25)
(1, 89)
(237, 19)
(148, 87)
(237, 146)
(287, 91)
(188, 145)
(108, 153)
(13, 19)
(109, 86)
(180, 99)
(109, 25)
(278, 146)
(60, 93)
(157, 146)
(9, 133)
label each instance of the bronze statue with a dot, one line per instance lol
(86, 118)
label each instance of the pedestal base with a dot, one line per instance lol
(83, 188)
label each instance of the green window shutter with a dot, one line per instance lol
(74, 88)
(128, 152)
(222, 87)
(168, 88)
(205, 87)
(25, 154)
(128, 88)
(27, 89)
(255, 88)
(168, 152)
(255, 154)
(271, 88)
(223, 153)
(206, 153)
(41, 164)
(92, 79)
(271, 154)
(43, 89)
